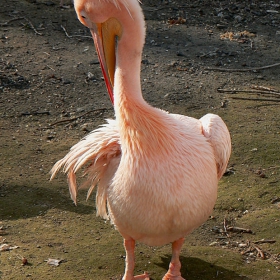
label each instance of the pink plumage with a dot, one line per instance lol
(157, 173)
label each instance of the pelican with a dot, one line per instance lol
(156, 173)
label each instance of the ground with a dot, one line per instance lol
(198, 54)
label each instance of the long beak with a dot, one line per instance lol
(105, 37)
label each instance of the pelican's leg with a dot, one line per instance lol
(129, 245)
(175, 266)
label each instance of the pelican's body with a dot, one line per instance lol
(157, 172)
(164, 186)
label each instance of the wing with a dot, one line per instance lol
(216, 131)
(101, 149)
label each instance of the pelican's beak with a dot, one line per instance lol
(105, 36)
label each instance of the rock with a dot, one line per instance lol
(238, 18)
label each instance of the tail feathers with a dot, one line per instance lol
(101, 149)
(216, 131)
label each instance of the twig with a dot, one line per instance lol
(66, 33)
(32, 26)
(239, 229)
(275, 200)
(225, 227)
(256, 99)
(247, 251)
(265, 88)
(73, 119)
(51, 68)
(260, 252)
(7, 22)
(248, 91)
(152, 9)
(241, 69)
(2, 240)
(221, 237)
(253, 248)
(273, 167)
(35, 113)
(264, 241)
(23, 259)
(19, 256)
(71, 36)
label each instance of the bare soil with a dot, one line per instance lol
(52, 94)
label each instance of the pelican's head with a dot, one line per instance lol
(105, 19)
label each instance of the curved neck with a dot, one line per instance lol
(136, 119)
(127, 85)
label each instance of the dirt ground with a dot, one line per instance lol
(200, 56)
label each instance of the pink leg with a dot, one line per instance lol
(175, 266)
(129, 245)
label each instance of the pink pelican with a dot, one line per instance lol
(157, 173)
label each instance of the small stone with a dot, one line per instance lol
(90, 75)
(221, 26)
(272, 11)
(145, 61)
(50, 137)
(53, 262)
(66, 82)
(24, 261)
(85, 127)
(179, 53)
(238, 18)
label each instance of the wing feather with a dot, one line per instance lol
(101, 150)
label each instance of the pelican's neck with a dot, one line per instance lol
(127, 85)
(136, 119)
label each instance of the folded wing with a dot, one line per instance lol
(216, 131)
(101, 151)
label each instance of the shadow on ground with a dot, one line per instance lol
(24, 202)
(195, 268)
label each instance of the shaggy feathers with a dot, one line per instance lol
(101, 148)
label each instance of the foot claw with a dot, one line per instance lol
(169, 276)
(144, 276)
